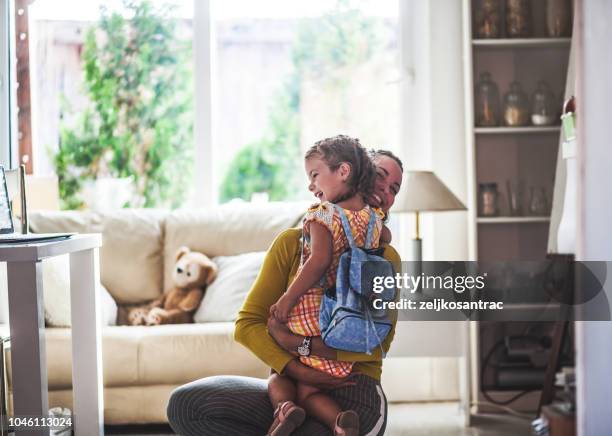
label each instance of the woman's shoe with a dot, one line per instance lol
(287, 417)
(347, 424)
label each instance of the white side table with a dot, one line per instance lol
(27, 326)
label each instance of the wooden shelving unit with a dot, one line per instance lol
(500, 154)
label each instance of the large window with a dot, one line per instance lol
(115, 92)
(289, 73)
(112, 107)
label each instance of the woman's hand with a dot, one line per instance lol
(318, 379)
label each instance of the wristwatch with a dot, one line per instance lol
(305, 349)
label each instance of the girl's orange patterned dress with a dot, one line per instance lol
(304, 317)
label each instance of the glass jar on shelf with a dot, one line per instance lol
(489, 199)
(538, 201)
(514, 190)
(486, 100)
(518, 18)
(558, 18)
(543, 107)
(516, 106)
(487, 19)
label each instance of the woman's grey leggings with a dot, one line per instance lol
(233, 405)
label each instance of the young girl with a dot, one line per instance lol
(342, 174)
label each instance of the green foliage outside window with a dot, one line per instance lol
(139, 121)
(323, 48)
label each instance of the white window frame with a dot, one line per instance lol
(205, 195)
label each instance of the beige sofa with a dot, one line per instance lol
(142, 365)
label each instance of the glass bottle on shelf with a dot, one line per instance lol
(514, 190)
(558, 18)
(518, 18)
(487, 19)
(543, 107)
(538, 201)
(516, 106)
(488, 199)
(486, 101)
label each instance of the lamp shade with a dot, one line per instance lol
(422, 191)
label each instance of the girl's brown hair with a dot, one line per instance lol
(342, 148)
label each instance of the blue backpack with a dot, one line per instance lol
(348, 319)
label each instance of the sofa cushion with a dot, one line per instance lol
(227, 230)
(131, 264)
(168, 354)
(176, 354)
(119, 356)
(224, 297)
(56, 290)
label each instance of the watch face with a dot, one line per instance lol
(303, 350)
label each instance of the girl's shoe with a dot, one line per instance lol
(287, 417)
(347, 424)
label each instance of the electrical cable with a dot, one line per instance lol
(485, 363)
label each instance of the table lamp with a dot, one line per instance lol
(422, 191)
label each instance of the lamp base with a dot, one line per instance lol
(415, 267)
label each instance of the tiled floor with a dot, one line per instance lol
(418, 419)
(444, 419)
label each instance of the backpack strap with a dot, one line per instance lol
(370, 235)
(370, 325)
(346, 226)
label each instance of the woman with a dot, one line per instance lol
(233, 405)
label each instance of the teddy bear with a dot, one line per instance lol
(192, 273)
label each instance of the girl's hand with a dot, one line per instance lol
(281, 309)
(318, 379)
(385, 235)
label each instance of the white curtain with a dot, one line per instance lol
(562, 231)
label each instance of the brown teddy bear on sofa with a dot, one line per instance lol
(193, 271)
